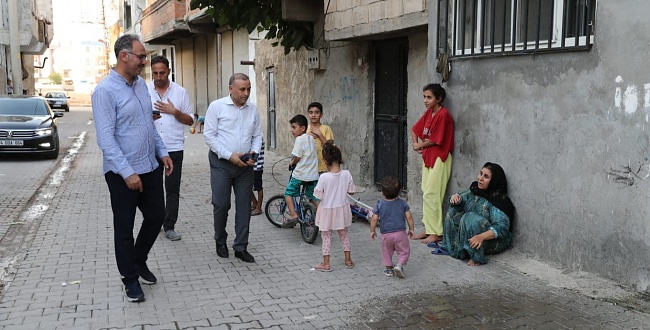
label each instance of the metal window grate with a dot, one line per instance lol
(469, 28)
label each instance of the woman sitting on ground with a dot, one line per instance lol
(478, 220)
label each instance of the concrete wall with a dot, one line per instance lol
(202, 72)
(569, 130)
(198, 70)
(293, 89)
(345, 89)
(186, 62)
(235, 46)
(418, 77)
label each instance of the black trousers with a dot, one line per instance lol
(172, 190)
(129, 252)
(225, 176)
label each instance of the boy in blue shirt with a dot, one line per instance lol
(393, 214)
(306, 168)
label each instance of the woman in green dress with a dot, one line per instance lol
(478, 220)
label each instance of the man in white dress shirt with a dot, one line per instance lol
(234, 134)
(173, 104)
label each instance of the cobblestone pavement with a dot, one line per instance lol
(68, 278)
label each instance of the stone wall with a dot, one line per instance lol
(346, 19)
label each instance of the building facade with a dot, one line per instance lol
(26, 25)
(551, 90)
(202, 56)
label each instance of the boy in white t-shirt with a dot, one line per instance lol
(306, 168)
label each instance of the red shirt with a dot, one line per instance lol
(439, 129)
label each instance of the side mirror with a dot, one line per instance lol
(68, 96)
(58, 114)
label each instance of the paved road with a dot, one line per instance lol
(67, 276)
(21, 175)
(20, 178)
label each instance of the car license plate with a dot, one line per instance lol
(11, 142)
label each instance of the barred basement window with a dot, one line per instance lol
(506, 27)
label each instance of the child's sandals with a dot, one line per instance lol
(349, 264)
(322, 268)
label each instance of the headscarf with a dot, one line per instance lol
(497, 191)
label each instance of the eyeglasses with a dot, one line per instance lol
(140, 57)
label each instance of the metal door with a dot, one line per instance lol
(271, 110)
(390, 109)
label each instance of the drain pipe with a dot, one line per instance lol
(14, 46)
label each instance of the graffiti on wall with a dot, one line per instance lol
(349, 93)
(627, 97)
(628, 175)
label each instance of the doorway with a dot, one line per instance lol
(391, 87)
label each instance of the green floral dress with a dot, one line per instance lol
(472, 216)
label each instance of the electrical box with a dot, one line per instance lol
(316, 59)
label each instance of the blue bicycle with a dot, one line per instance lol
(277, 212)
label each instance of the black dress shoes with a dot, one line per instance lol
(222, 251)
(244, 256)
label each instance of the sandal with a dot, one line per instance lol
(322, 268)
(349, 264)
(434, 245)
(290, 223)
(256, 212)
(440, 251)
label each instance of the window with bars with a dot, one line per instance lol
(503, 27)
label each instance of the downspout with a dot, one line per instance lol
(42, 64)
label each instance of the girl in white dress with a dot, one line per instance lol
(334, 212)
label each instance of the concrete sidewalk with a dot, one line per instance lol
(69, 280)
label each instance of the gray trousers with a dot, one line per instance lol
(225, 176)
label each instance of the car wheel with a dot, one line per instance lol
(67, 109)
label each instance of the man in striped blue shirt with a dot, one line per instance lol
(130, 145)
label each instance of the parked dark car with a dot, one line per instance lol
(58, 100)
(28, 125)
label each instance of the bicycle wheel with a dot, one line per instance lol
(276, 210)
(308, 226)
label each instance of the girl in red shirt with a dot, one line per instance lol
(433, 138)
